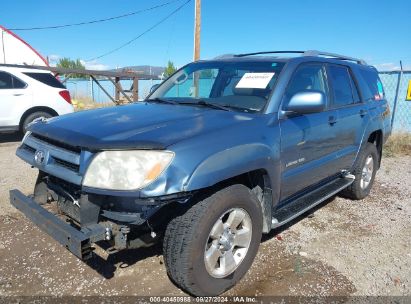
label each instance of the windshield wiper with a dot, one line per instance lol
(206, 104)
(162, 100)
(240, 108)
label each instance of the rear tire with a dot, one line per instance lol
(29, 119)
(192, 239)
(364, 171)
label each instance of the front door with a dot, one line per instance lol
(309, 143)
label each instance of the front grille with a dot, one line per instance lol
(59, 159)
(57, 143)
(66, 164)
(28, 148)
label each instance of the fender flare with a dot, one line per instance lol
(233, 162)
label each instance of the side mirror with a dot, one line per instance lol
(154, 87)
(307, 102)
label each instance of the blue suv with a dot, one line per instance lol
(219, 153)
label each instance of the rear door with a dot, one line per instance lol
(15, 97)
(351, 111)
(309, 143)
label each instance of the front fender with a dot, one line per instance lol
(232, 162)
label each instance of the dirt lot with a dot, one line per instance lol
(343, 248)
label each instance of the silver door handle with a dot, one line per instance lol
(18, 94)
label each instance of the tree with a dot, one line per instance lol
(170, 69)
(67, 63)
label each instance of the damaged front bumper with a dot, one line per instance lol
(77, 241)
(78, 227)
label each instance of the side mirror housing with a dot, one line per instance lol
(154, 87)
(307, 102)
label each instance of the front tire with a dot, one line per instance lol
(209, 248)
(364, 172)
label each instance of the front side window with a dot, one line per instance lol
(242, 86)
(308, 77)
(342, 86)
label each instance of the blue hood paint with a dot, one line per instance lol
(136, 126)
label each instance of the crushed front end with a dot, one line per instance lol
(78, 218)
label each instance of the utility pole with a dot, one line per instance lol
(197, 29)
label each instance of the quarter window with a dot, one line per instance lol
(373, 90)
(47, 79)
(343, 88)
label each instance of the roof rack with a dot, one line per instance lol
(308, 53)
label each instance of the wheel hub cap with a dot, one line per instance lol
(226, 240)
(228, 243)
(367, 172)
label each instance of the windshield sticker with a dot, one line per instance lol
(254, 80)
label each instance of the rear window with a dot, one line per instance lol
(373, 89)
(47, 79)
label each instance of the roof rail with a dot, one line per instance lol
(225, 56)
(308, 53)
(333, 55)
(269, 52)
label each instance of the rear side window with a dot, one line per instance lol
(373, 86)
(8, 81)
(47, 79)
(17, 83)
(343, 89)
(5, 81)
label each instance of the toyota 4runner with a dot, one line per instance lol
(219, 153)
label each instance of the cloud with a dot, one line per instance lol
(391, 66)
(94, 65)
(90, 65)
(53, 59)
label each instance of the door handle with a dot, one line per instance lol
(332, 120)
(363, 113)
(18, 94)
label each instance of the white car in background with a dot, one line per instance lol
(27, 94)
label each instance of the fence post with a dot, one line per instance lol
(396, 95)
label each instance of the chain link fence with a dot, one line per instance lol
(396, 85)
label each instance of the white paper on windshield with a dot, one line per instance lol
(254, 80)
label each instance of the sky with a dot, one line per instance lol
(377, 31)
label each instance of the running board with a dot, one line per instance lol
(309, 200)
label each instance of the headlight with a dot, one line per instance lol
(126, 170)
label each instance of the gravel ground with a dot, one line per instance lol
(342, 248)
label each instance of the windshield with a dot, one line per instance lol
(243, 86)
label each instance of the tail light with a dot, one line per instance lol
(66, 95)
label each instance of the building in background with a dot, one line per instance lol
(14, 50)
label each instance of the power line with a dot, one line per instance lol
(93, 21)
(142, 34)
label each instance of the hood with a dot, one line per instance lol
(136, 126)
